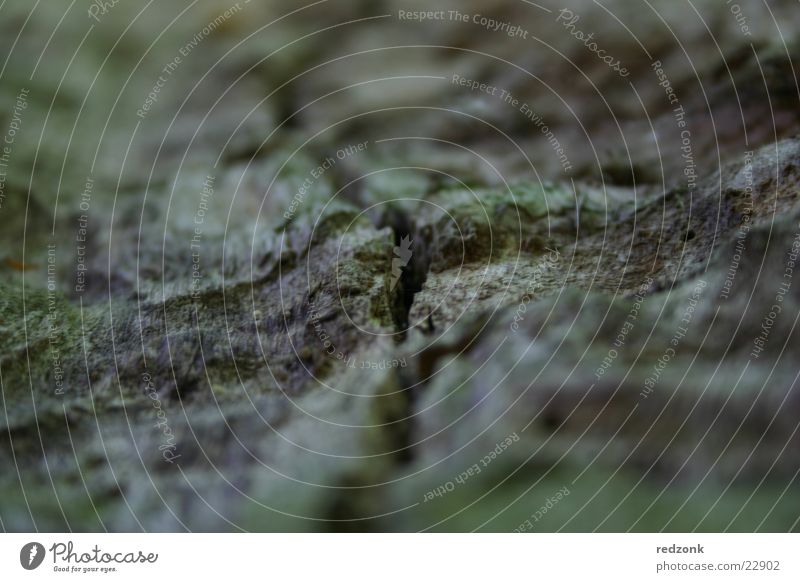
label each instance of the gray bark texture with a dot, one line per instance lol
(276, 267)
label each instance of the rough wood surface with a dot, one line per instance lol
(290, 275)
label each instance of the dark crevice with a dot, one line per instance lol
(407, 270)
(408, 266)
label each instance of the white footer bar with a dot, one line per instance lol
(401, 557)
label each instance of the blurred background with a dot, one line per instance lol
(368, 266)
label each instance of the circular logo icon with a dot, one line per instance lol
(31, 555)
